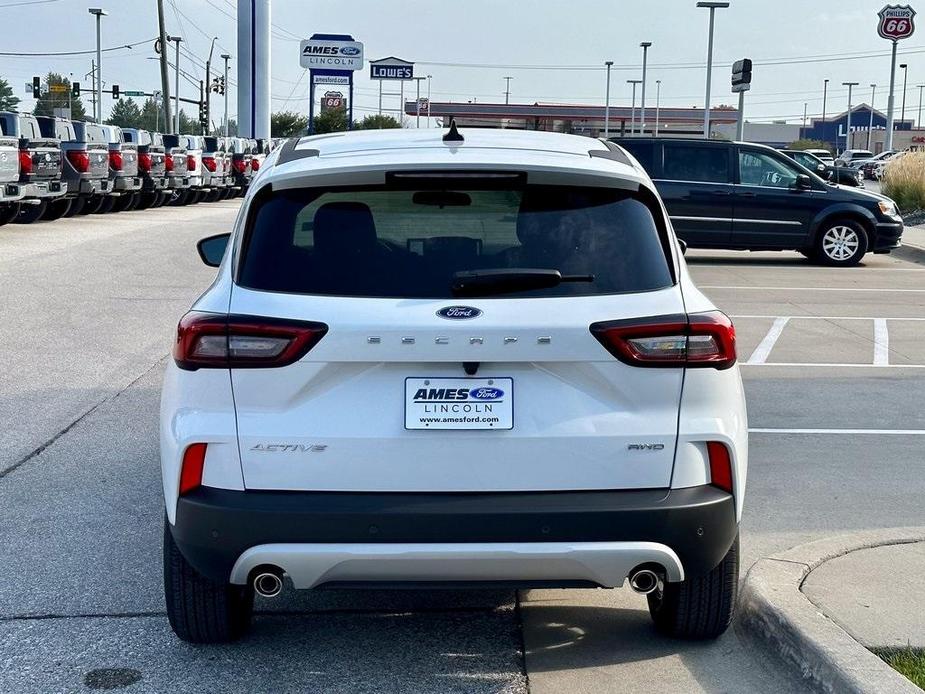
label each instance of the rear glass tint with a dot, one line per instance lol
(692, 163)
(385, 242)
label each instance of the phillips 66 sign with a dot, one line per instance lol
(896, 22)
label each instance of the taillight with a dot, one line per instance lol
(25, 162)
(255, 165)
(80, 160)
(238, 165)
(144, 162)
(206, 340)
(190, 162)
(209, 163)
(720, 466)
(194, 458)
(168, 163)
(696, 340)
(115, 161)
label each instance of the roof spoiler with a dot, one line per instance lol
(289, 152)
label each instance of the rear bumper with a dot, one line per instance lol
(888, 236)
(607, 532)
(178, 182)
(89, 187)
(126, 184)
(154, 184)
(43, 189)
(10, 192)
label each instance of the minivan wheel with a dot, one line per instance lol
(841, 243)
(201, 610)
(31, 213)
(699, 607)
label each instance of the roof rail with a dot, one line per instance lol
(289, 152)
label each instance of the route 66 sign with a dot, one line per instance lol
(896, 22)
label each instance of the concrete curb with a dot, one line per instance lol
(775, 610)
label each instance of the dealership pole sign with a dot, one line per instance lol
(331, 59)
(897, 22)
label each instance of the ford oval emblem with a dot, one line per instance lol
(486, 393)
(459, 312)
(350, 50)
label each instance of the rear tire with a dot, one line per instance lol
(8, 213)
(201, 610)
(56, 209)
(106, 205)
(840, 243)
(124, 203)
(180, 198)
(93, 204)
(31, 213)
(699, 607)
(77, 206)
(146, 200)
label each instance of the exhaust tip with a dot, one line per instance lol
(267, 584)
(644, 581)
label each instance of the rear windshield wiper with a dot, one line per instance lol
(508, 280)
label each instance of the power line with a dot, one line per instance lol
(20, 54)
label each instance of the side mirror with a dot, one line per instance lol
(683, 246)
(820, 168)
(212, 249)
(803, 182)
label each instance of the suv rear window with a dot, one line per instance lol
(408, 243)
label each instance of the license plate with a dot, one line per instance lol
(459, 403)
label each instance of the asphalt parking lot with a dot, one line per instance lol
(834, 365)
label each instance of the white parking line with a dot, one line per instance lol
(813, 289)
(741, 315)
(840, 366)
(842, 432)
(881, 343)
(763, 350)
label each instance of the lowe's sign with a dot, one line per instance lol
(391, 68)
(331, 54)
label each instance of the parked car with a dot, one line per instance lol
(178, 178)
(823, 154)
(745, 196)
(866, 166)
(241, 159)
(515, 304)
(10, 190)
(849, 156)
(151, 166)
(843, 175)
(84, 168)
(214, 177)
(39, 166)
(883, 163)
(123, 169)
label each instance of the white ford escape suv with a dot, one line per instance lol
(441, 358)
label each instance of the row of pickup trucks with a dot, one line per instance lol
(52, 167)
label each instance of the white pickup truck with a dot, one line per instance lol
(10, 191)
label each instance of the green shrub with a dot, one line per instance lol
(904, 181)
(809, 144)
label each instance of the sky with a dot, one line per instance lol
(554, 49)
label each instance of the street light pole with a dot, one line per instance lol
(712, 6)
(507, 90)
(870, 126)
(902, 113)
(918, 121)
(633, 111)
(226, 58)
(208, 95)
(98, 107)
(608, 63)
(176, 120)
(825, 91)
(658, 95)
(418, 103)
(428, 99)
(848, 125)
(642, 101)
(890, 102)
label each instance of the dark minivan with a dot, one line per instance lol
(743, 196)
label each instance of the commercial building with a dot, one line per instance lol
(864, 120)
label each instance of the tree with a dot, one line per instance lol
(188, 126)
(151, 116)
(378, 122)
(125, 114)
(8, 100)
(49, 101)
(287, 124)
(808, 144)
(331, 121)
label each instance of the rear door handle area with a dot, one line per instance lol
(747, 195)
(721, 192)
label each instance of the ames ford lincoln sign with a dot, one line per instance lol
(324, 54)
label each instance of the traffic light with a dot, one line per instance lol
(115, 91)
(223, 85)
(218, 85)
(75, 89)
(36, 87)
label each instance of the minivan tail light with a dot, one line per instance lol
(194, 458)
(144, 162)
(720, 466)
(80, 160)
(209, 163)
(190, 162)
(25, 162)
(115, 161)
(207, 340)
(696, 340)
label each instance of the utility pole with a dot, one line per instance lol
(918, 122)
(803, 129)
(176, 118)
(633, 111)
(608, 63)
(165, 81)
(902, 113)
(209, 86)
(93, 80)
(507, 90)
(848, 125)
(712, 6)
(428, 99)
(658, 96)
(870, 127)
(418, 103)
(825, 90)
(642, 102)
(226, 58)
(888, 143)
(98, 103)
